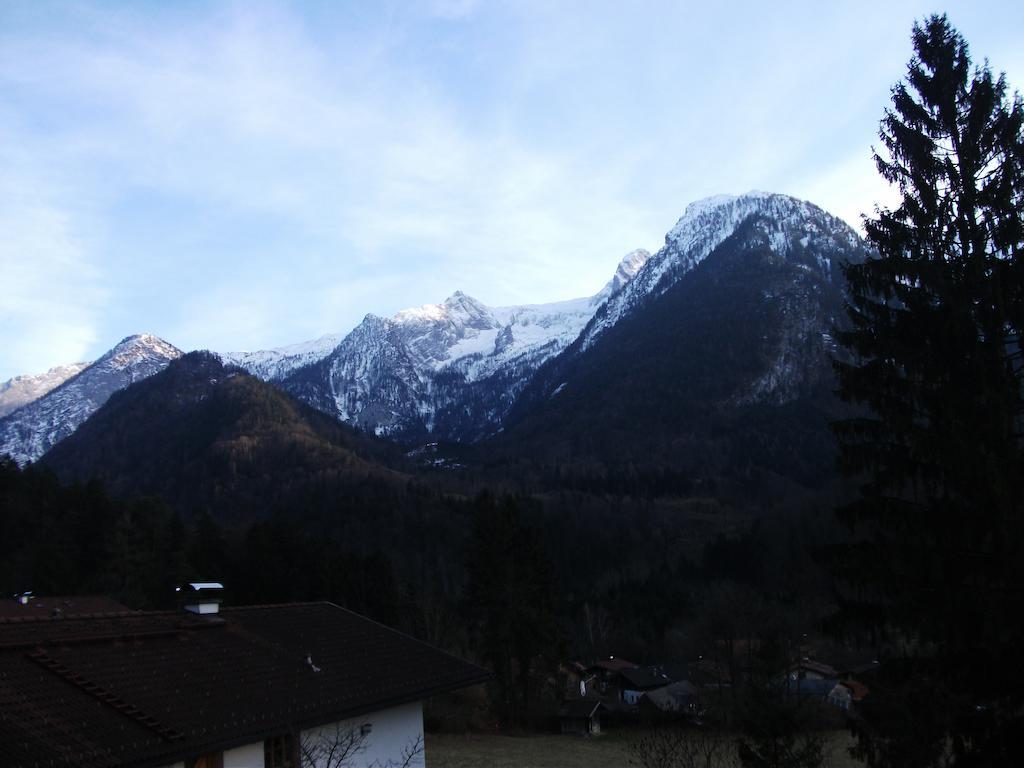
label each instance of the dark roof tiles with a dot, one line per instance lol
(145, 688)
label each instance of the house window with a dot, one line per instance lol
(212, 760)
(281, 752)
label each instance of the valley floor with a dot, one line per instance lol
(558, 751)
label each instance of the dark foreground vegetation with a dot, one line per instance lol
(730, 570)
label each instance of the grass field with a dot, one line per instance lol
(556, 751)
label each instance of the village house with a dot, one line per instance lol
(679, 699)
(245, 687)
(606, 675)
(633, 683)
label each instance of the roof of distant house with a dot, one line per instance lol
(810, 665)
(77, 605)
(864, 668)
(146, 689)
(643, 679)
(672, 697)
(810, 686)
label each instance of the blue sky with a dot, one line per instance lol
(246, 175)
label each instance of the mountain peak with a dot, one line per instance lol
(462, 300)
(703, 227)
(22, 390)
(627, 269)
(132, 350)
(29, 432)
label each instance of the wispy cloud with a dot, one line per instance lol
(257, 173)
(52, 300)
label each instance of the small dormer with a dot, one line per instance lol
(202, 597)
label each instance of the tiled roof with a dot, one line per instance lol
(673, 697)
(68, 606)
(641, 679)
(144, 689)
(809, 665)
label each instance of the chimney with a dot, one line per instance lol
(202, 597)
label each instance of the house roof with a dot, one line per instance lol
(144, 689)
(809, 665)
(672, 697)
(13, 608)
(641, 679)
(810, 687)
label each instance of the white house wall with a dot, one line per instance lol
(392, 730)
(249, 756)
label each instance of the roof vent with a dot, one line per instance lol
(202, 597)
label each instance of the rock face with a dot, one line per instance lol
(29, 432)
(448, 370)
(703, 227)
(717, 355)
(22, 390)
(274, 364)
(457, 370)
(454, 370)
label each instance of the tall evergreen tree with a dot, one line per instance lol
(934, 359)
(510, 598)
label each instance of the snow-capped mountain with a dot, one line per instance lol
(273, 364)
(798, 233)
(450, 369)
(703, 227)
(717, 355)
(33, 429)
(454, 370)
(22, 390)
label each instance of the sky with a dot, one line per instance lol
(244, 175)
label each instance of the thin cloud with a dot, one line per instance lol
(52, 300)
(264, 171)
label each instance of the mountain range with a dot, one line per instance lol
(38, 425)
(714, 362)
(22, 390)
(733, 314)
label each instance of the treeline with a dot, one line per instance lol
(75, 539)
(519, 583)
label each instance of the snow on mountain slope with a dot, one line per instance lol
(273, 364)
(746, 322)
(453, 370)
(702, 228)
(393, 375)
(32, 430)
(22, 390)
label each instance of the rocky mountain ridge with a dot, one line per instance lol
(455, 370)
(29, 432)
(22, 390)
(450, 369)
